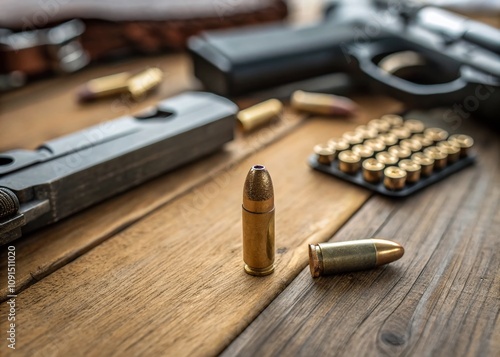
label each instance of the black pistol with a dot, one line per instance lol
(70, 173)
(424, 56)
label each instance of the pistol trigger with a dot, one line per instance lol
(399, 60)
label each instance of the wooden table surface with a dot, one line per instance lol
(158, 270)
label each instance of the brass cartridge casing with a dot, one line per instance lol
(376, 145)
(451, 149)
(412, 144)
(344, 257)
(400, 152)
(401, 132)
(393, 120)
(373, 170)
(424, 141)
(388, 139)
(439, 156)
(258, 222)
(436, 134)
(465, 142)
(320, 103)
(349, 162)
(141, 83)
(394, 178)
(412, 169)
(386, 158)
(414, 125)
(382, 126)
(367, 132)
(259, 114)
(353, 137)
(426, 163)
(363, 151)
(325, 154)
(338, 144)
(104, 87)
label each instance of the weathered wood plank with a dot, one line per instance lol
(173, 283)
(442, 298)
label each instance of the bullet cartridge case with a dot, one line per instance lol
(373, 170)
(401, 132)
(424, 141)
(451, 149)
(439, 157)
(465, 142)
(425, 162)
(400, 152)
(412, 144)
(415, 126)
(380, 125)
(363, 151)
(258, 222)
(325, 154)
(376, 145)
(350, 256)
(259, 114)
(324, 104)
(389, 139)
(436, 134)
(104, 87)
(387, 158)
(367, 132)
(338, 144)
(353, 137)
(393, 120)
(394, 178)
(349, 162)
(143, 82)
(412, 169)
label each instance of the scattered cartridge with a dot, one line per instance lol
(259, 114)
(323, 104)
(350, 256)
(258, 222)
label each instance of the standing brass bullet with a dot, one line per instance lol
(414, 125)
(394, 178)
(325, 154)
(343, 257)
(401, 133)
(393, 120)
(363, 151)
(412, 169)
(451, 149)
(387, 158)
(412, 144)
(382, 126)
(349, 162)
(465, 142)
(424, 141)
(436, 134)
(389, 139)
(367, 132)
(376, 145)
(400, 152)
(353, 137)
(425, 162)
(373, 170)
(338, 144)
(258, 222)
(438, 155)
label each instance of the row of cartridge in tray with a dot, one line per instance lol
(392, 152)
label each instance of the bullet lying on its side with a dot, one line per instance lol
(343, 257)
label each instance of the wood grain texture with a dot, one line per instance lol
(441, 299)
(173, 283)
